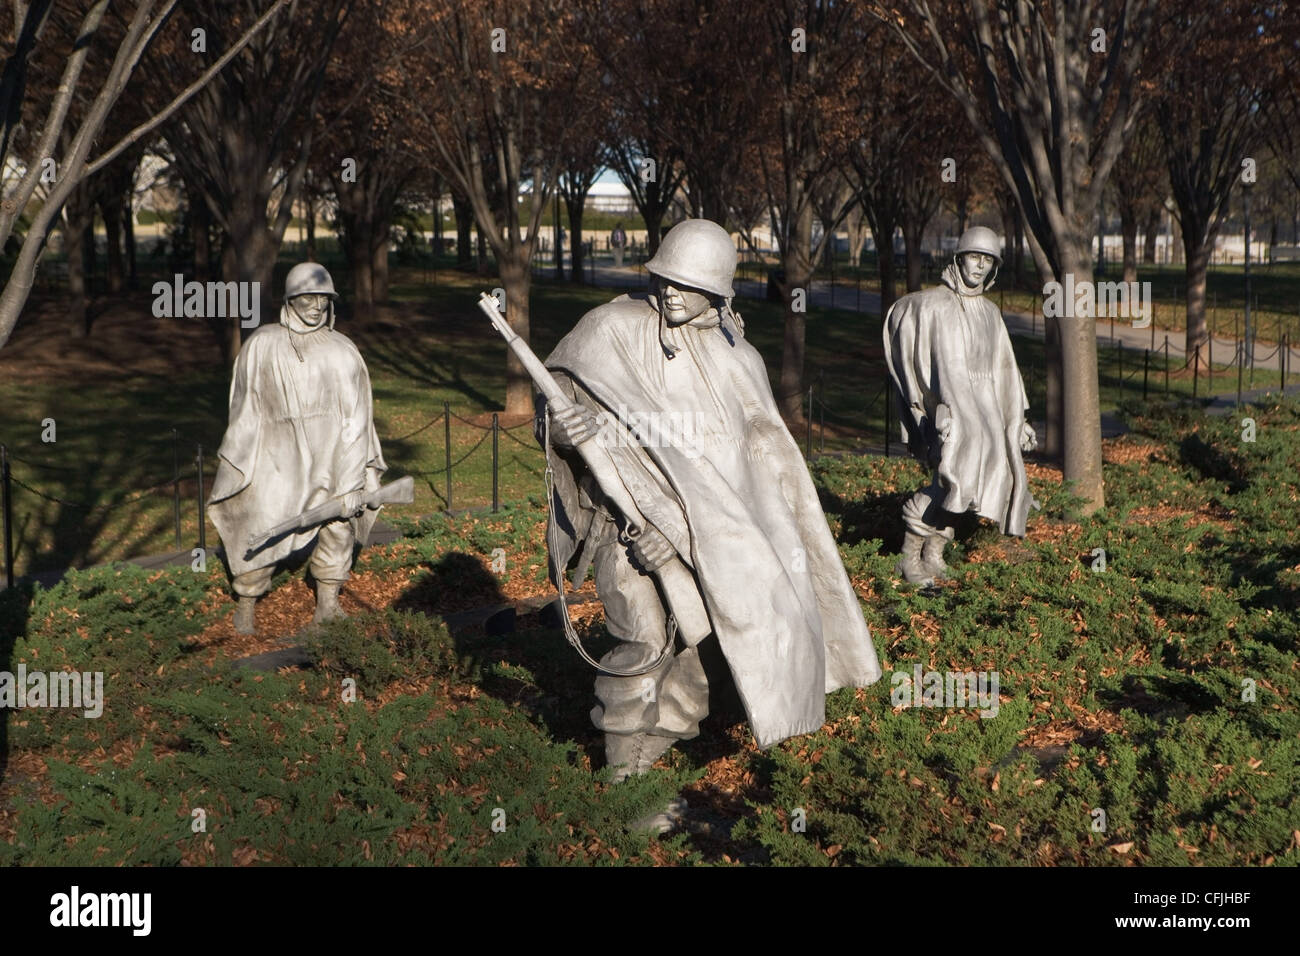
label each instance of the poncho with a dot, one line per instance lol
(942, 347)
(301, 431)
(733, 496)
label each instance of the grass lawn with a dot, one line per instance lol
(1146, 713)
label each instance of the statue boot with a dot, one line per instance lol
(245, 612)
(911, 565)
(631, 754)
(932, 554)
(327, 602)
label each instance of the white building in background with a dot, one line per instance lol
(611, 197)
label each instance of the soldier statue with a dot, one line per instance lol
(301, 436)
(680, 401)
(961, 404)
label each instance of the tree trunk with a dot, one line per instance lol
(78, 218)
(362, 262)
(1198, 264)
(464, 219)
(1082, 445)
(200, 220)
(1150, 230)
(249, 257)
(796, 260)
(128, 235)
(1128, 226)
(311, 227)
(379, 267)
(884, 240)
(855, 225)
(516, 279)
(481, 267)
(575, 241)
(912, 245)
(111, 211)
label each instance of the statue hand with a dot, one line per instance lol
(354, 502)
(573, 426)
(652, 550)
(1028, 437)
(945, 430)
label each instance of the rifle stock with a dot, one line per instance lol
(401, 491)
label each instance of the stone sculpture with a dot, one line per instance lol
(961, 404)
(667, 387)
(301, 436)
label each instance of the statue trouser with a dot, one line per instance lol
(927, 531)
(331, 566)
(642, 716)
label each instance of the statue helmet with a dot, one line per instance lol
(980, 239)
(699, 254)
(307, 278)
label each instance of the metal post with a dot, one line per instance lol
(1281, 364)
(1119, 359)
(446, 436)
(1146, 368)
(8, 515)
(176, 485)
(1196, 371)
(495, 434)
(1240, 363)
(1166, 365)
(1249, 330)
(203, 516)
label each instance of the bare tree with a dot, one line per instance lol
(1048, 88)
(502, 80)
(30, 21)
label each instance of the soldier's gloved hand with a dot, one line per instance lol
(1028, 437)
(354, 502)
(573, 426)
(652, 550)
(943, 423)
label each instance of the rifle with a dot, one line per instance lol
(401, 491)
(675, 578)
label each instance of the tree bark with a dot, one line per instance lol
(128, 234)
(516, 279)
(575, 241)
(78, 215)
(201, 230)
(379, 266)
(110, 209)
(464, 214)
(1128, 228)
(1149, 234)
(1198, 264)
(796, 261)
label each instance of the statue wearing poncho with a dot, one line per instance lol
(301, 432)
(722, 480)
(961, 403)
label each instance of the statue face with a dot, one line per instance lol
(313, 309)
(682, 305)
(975, 267)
